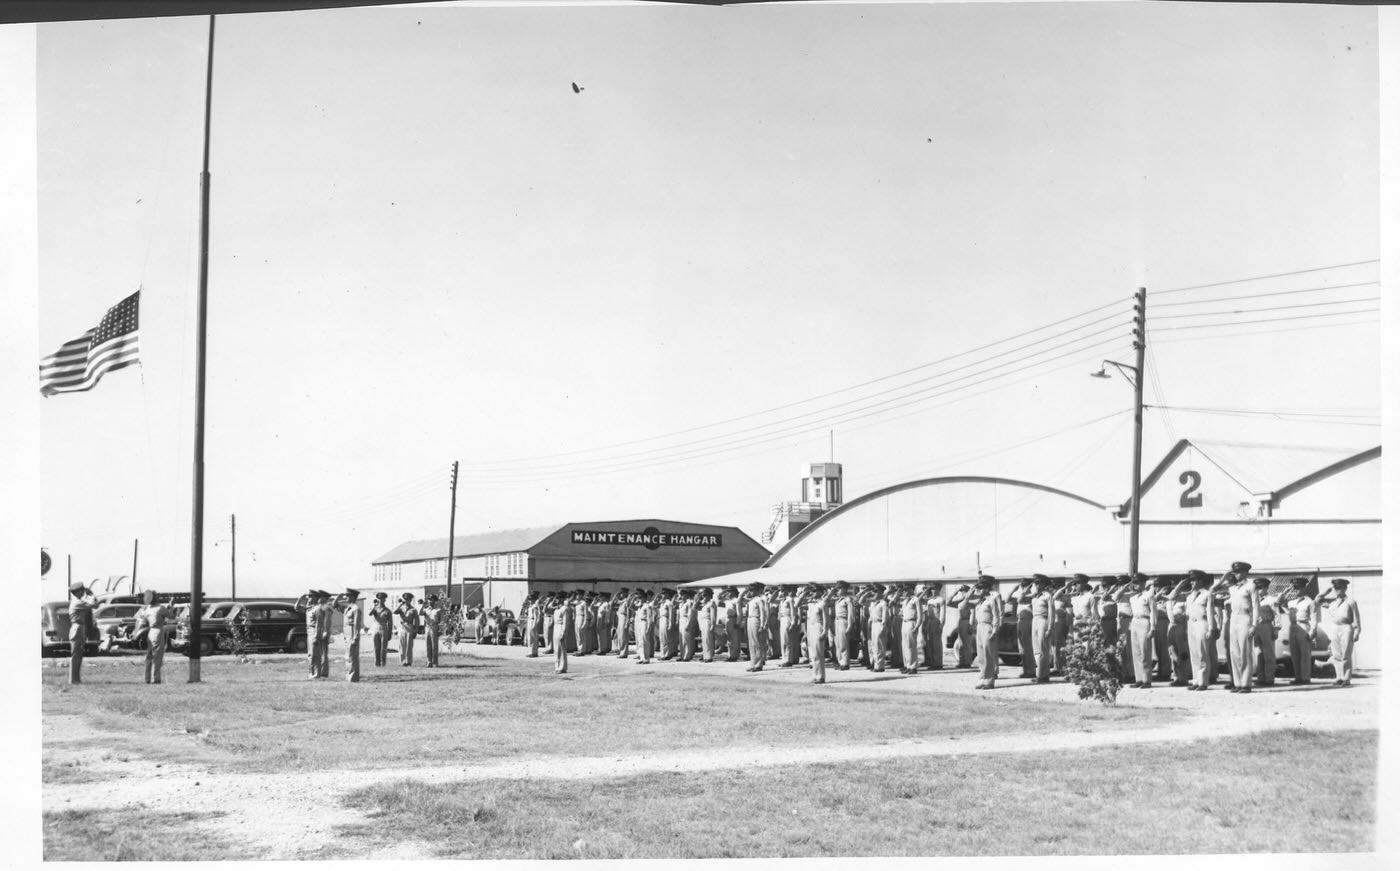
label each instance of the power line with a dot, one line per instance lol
(1268, 320)
(1217, 336)
(1248, 311)
(1215, 299)
(1263, 277)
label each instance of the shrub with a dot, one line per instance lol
(1094, 666)
(236, 642)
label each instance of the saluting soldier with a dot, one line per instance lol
(1301, 612)
(894, 626)
(534, 624)
(351, 628)
(152, 617)
(625, 606)
(879, 616)
(688, 621)
(1042, 612)
(602, 624)
(705, 618)
(432, 627)
(408, 628)
(1025, 642)
(933, 626)
(911, 626)
(1141, 605)
(787, 626)
(814, 604)
(1346, 627)
(382, 622)
(1265, 634)
(1060, 626)
(642, 619)
(844, 619)
(81, 626)
(1244, 614)
(323, 631)
(1178, 643)
(1161, 627)
(964, 634)
(733, 625)
(1201, 628)
(1083, 602)
(987, 611)
(313, 632)
(563, 615)
(756, 614)
(585, 620)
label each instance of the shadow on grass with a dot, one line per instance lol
(134, 834)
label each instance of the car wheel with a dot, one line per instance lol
(298, 644)
(206, 646)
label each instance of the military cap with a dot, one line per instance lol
(1240, 566)
(935, 585)
(1039, 577)
(1261, 581)
(756, 585)
(313, 592)
(964, 588)
(1081, 578)
(432, 597)
(323, 594)
(381, 596)
(352, 594)
(842, 585)
(1340, 582)
(1299, 582)
(1197, 575)
(406, 597)
(1140, 578)
(879, 588)
(77, 587)
(985, 579)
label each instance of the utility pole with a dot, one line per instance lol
(1140, 344)
(451, 534)
(135, 550)
(233, 556)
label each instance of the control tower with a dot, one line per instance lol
(821, 492)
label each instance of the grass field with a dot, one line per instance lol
(268, 715)
(1201, 797)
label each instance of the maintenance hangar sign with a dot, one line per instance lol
(651, 538)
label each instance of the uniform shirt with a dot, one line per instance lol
(933, 610)
(909, 611)
(152, 616)
(313, 621)
(706, 614)
(1300, 611)
(1040, 605)
(561, 618)
(354, 622)
(816, 619)
(845, 609)
(323, 623)
(1342, 610)
(1083, 605)
(667, 614)
(1142, 605)
(79, 620)
(383, 618)
(878, 612)
(432, 618)
(408, 620)
(1198, 604)
(757, 611)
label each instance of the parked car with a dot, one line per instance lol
(116, 625)
(53, 631)
(268, 626)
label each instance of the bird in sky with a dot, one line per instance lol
(577, 89)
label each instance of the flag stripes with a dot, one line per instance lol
(79, 364)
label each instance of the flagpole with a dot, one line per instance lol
(197, 514)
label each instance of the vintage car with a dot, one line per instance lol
(116, 625)
(53, 631)
(266, 625)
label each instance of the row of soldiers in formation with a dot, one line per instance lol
(1161, 629)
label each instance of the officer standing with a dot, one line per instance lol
(814, 603)
(688, 621)
(382, 622)
(1025, 641)
(152, 617)
(1265, 633)
(602, 624)
(563, 614)
(1301, 611)
(432, 626)
(933, 626)
(1244, 614)
(351, 628)
(756, 614)
(1060, 625)
(705, 616)
(843, 621)
(408, 628)
(1042, 612)
(313, 623)
(1161, 626)
(1346, 627)
(787, 626)
(1178, 635)
(323, 632)
(625, 605)
(666, 614)
(534, 624)
(911, 627)
(878, 615)
(987, 611)
(963, 632)
(1141, 605)
(81, 626)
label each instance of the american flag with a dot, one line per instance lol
(112, 344)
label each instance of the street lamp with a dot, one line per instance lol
(1134, 375)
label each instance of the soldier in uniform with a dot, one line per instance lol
(432, 627)
(1042, 607)
(705, 618)
(1301, 611)
(963, 634)
(733, 626)
(382, 621)
(1265, 633)
(602, 624)
(81, 625)
(1345, 617)
(642, 620)
(756, 615)
(787, 626)
(1244, 614)
(987, 611)
(844, 619)
(1200, 628)
(933, 626)
(774, 642)
(1141, 604)
(152, 617)
(323, 632)
(408, 628)
(563, 616)
(1020, 599)
(586, 622)
(666, 620)
(1060, 626)
(1178, 635)
(878, 611)
(688, 621)
(534, 624)
(625, 606)
(911, 627)
(1083, 602)
(813, 603)
(1161, 626)
(351, 628)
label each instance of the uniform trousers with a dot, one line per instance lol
(561, 649)
(987, 654)
(758, 644)
(624, 629)
(816, 652)
(430, 647)
(877, 645)
(1266, 665)
(736, 640)
(548, 635)
(1126, 655)
(155, 653)
(909, 642)
(352, 660)
(1241, 652)
(381, 648)
(787, 632)
(1025, 643)
(894, 643)
(1343, 642)
(1040, 644)
(707, 642)
(1179, 651)
(75, 661)
(646, 640)
(1140, 635)
(1300, 651)
(1161, 647)
(1059, 637)
(967, 644)
(843, 643)
(406, 638)
(532, 637)
(320, 650)
(1199, 642)
(603, 630)
(933, 642)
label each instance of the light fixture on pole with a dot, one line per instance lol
(1134, 375)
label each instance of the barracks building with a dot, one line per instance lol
(499, 568)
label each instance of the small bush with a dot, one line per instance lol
(236, 642)
(1094, 666)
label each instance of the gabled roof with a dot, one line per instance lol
(503, 541)
(1259, 468)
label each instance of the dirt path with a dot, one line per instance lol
(296, 815)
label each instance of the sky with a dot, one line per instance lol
(899, 236)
